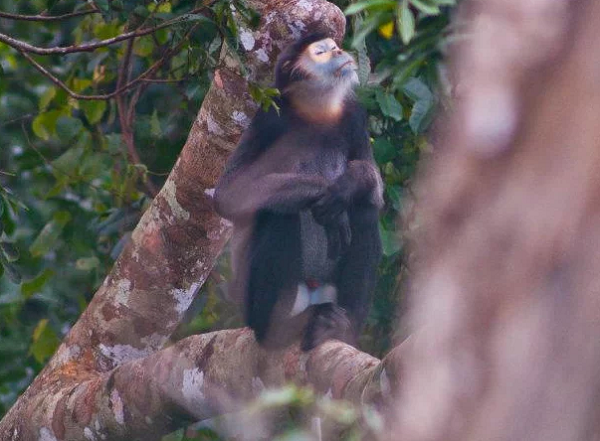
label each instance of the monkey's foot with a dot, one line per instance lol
(327, 321)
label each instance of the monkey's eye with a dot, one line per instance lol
(318, 53)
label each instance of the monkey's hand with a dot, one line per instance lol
(328, 208)
(339, 236)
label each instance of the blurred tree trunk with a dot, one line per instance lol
(506, 303)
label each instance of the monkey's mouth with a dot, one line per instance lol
(340, 70)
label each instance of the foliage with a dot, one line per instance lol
(400, 48)
(75, 174)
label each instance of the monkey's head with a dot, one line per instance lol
(314, 72)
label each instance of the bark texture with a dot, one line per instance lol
(506, 304)
(80, 395)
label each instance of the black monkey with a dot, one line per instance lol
(303, 193)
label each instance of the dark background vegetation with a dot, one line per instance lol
(75, 176)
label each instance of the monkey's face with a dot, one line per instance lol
(324, 61)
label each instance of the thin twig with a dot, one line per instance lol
(23, 46)
(41, 17)
(163, 80)
(16, 120)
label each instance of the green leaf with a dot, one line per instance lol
(44, 125)
(390, 242)
(68, 127)
(47, 97)
(36, 284)
(389, 105)
(141, 11)
(155, 125)
(87, 263)
(406, 22)
(93, 110)
(93, 166)
(45, 341)
(422, 111)
(10, 251)
(426, 7)
(69, 162)
(79, 85)
(370, 24)
(50, 234)
(369, 5)
(417, 90)
(104, 31)
(13, 273)
(383, 150)
(144, 46)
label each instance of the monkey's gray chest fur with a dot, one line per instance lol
(315, 263)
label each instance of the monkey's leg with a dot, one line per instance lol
(355, 280)
(357, 274)
(275, 268)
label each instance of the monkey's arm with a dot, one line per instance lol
(248, 184)
(240, 195)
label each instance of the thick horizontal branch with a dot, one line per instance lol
(41, 17)
(198, 378)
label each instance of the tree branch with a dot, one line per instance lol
(106, 96)
(201, 377)
(23, 46)
(46, 18)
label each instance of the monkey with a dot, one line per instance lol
(304, 193)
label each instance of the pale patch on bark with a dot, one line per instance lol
(155, 340)
(122, 292)
(169, 193)
(384, 384)
(213, 126)
(65, 354)
(257, 385)
(87, 432)
(262, 55)
(247, 39)
(296, 28)
(217, 233)
(117, 407)
(193, 381)
(210, 192)
(306, 5)
(46, 435)
(184, 297)
(119, 354)
(240, 117)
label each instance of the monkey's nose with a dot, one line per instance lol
(337, 52)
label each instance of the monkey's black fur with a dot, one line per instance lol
(304, 198)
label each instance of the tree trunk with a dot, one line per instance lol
(506, 304)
